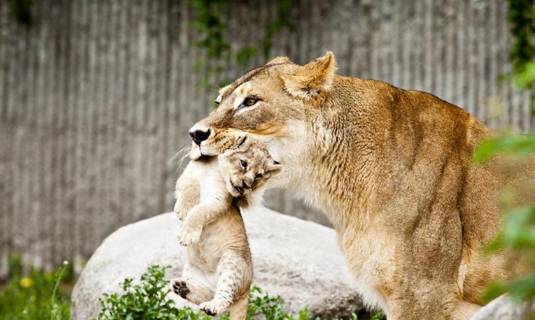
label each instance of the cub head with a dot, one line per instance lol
(246, 166)
(267, 103)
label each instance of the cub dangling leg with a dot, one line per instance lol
(191, 287)
(234, 280)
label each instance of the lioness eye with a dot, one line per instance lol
(243, 164)
(249, 101)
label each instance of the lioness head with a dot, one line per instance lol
(247, 166)
(270, 103)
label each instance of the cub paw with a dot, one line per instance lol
(181, 288)
(212, 308)
(189, 235)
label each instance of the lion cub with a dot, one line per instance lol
(218, 271)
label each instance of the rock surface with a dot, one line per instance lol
(295, 259)
(503, 308)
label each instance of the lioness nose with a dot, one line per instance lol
(199, 136)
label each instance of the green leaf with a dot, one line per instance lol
(507, 144)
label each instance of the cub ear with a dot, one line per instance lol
(274, 168)
(313, 78)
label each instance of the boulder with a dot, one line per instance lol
(295, 259)
(503, 308)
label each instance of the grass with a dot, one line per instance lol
(31, 294)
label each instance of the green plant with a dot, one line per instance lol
(378, 315)
(35, 295)
(211, 28)
(518, 231)
(521, 19)
(144, 300)
(21, 10)
(148, 300)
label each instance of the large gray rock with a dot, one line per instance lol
(503, 308)
(296, 259)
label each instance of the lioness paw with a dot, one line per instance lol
(189, 235)
(212, 308)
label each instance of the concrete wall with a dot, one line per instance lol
(96, 97)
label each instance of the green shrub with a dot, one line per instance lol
(148, 300)
(35, 295)
(518, 231)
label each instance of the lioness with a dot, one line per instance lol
(392, 171)
(218, 271)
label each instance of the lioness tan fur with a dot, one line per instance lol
(390, 168)
(218, 271)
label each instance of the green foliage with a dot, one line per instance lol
(378, 315)
(35, 295)
(282, 21)
(521, 19)
(148, 300)
(21, 9)
(211, 28)
(517, 145)
(518, 232)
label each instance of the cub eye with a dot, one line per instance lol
(243, 164)
(259, 176)
(249, 101)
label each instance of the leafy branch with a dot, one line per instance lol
(521, 19)
(219, 53)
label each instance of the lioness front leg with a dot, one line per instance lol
(234, 279)
(199, 216)
(187, 195)
(422, 301)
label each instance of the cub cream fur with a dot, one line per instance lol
(392, 170)
(218, 271)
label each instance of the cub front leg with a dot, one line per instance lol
(187, 195)
(198, 217)
(234, 280)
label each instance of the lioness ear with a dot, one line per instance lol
(221, 93)
(313, 78)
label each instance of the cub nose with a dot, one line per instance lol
(199, 136)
